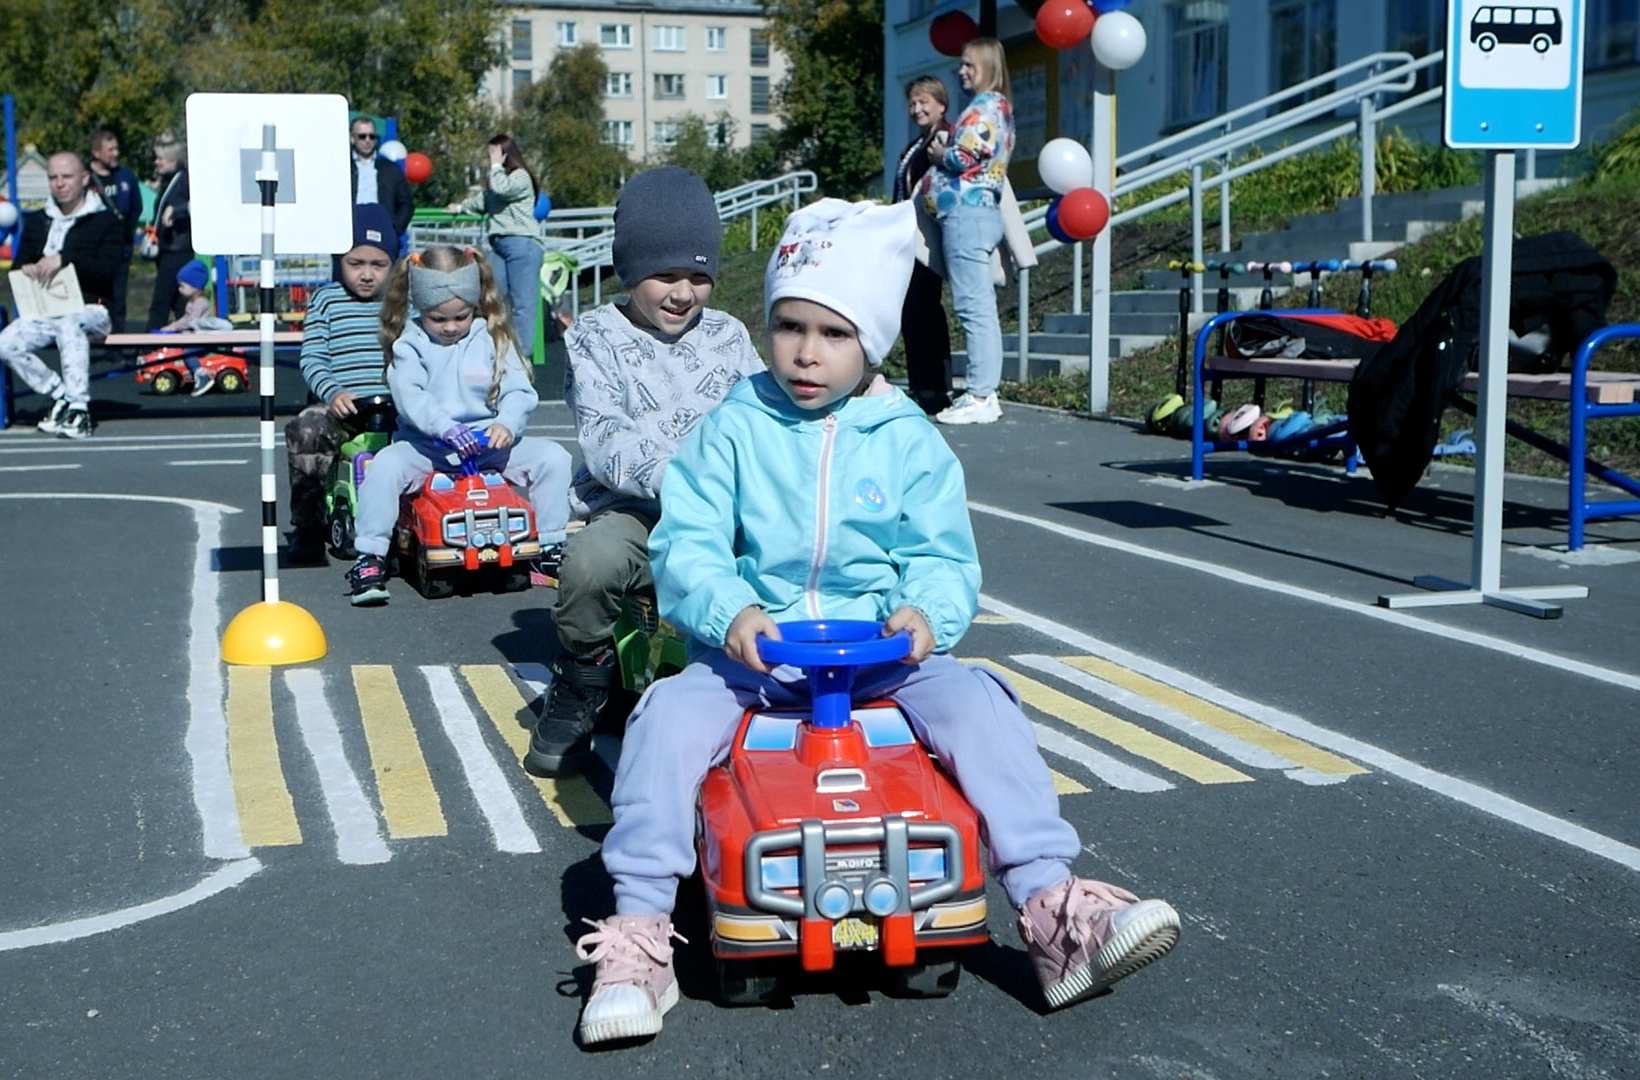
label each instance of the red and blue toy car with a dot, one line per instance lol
(165, 371)
(835, 831)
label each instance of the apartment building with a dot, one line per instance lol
(666, 59)
(1206, 57)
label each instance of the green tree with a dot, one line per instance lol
(831, 101)
(559, 121)
(706, 147)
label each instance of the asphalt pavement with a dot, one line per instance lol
(1404, 844)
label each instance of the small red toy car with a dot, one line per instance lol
(166, 372)
(469, 523)
(836, 831)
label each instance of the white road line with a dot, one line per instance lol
(100, 447)
(1560, 1059)
(489, 786)
(1508, 648)
(1461, 791)
(175, 437)
(39, 468)
(1117, 774)
(1255, 757)
(358, 830)
(209, 461)
(226, 878)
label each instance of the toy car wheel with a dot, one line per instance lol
(230, 381)
(341, 533)
(167, 383)
(437, 587)
(515, 580)
(750, 982)
(935, 975)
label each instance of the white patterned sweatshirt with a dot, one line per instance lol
(635, 397)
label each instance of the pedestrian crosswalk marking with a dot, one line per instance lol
(267, 816)
(571, 799)
(410, 804)
(1129, 736)
(1066, 785)
(484, 777)
(1118, 774)
(1296, 751)
(352, 817)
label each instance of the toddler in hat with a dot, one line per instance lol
(641, 372)
(818, 491)
(196, 315)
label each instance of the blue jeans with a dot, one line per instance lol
(517, 269)
(968, 235)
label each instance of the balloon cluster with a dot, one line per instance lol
(418, 167)
(1118, 39)
(1079, 212)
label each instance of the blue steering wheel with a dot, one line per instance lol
(830, 651)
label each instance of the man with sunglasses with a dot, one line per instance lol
(377, 180)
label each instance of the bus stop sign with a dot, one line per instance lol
(1514, 75)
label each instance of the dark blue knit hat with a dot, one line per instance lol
(665, 219)
(194, 275)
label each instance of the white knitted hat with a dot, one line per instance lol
(854, 258)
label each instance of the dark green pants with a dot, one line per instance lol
(602, 563)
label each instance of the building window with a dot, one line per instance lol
(618, 132)
(1418, 27)
(717, 87)
(1303, 42)
(666, 38)
(666, 132)
(720, 133)
(521, 45)
(1198, 60)
(668, 87)
(1614, 33)
(615, 35)
(717, 38)
(760, 48)
(760, 133)
(521, 80)
(566, 35)
(760, 94)
(618, 84)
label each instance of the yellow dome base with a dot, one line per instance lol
(274, 634)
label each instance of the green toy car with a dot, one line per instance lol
(646, 647)
(372, 429)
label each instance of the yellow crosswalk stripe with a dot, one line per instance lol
(571, 799)
(410, 803)
(1130, 737)
(1065, 785)
(1295, 750)
(267, 816)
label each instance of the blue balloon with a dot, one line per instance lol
(543, 206)
(1054, 228)
(1105, 7)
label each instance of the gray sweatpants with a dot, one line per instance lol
(71, 334)
(540, 465)
(967, 716)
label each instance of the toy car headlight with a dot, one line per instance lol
(498, 538)
(455, 532)
(882, 897)
(780, 872)
(925, 864)
(519, 524)
(833, 900)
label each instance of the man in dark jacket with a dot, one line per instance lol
(118, 188)
(174, 224)
(377, 180)
(74, 230)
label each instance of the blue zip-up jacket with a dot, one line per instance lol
(850, 513)
(435, 387)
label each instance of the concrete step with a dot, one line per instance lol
(1240, 284)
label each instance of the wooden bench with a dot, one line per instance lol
(1589, 395)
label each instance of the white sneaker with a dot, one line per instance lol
(969, 409)
(203, 381)
(52, 422)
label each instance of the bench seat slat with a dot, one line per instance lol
(1603, 387)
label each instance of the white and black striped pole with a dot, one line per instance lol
(274, 631)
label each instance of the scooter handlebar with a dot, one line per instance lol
(1180, 264)
(1376, 266)
(1270, 267)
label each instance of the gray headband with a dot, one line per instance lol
(429, 288)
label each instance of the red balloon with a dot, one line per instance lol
(1062, 24)
(1083, 213)
(418, 167)
(950, 32)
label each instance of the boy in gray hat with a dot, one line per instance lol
(642, 371)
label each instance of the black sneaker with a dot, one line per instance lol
(369, 580)
(580, 687)
(76, 424)
(307, 546)
(52, 422)
(544, 570)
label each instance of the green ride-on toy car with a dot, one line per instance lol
(372, 430)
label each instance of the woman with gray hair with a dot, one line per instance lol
(922, 317)
(174, 227)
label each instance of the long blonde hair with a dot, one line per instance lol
(992, 62)
(492, 308)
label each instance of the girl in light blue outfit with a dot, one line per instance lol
(816, 490)
(507, 202)
(962, 190)
(454, 373)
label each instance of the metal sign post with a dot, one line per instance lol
(1103, 146)
(1514, 78)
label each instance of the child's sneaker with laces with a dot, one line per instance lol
(969, 409)
(1083, 935)
(635, 985)
(368, 577)
(203, 381)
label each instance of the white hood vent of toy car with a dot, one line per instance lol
(836, 781)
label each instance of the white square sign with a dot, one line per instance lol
(1514, 74)
(313, 209)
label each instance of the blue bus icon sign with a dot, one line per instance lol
(1514, 74)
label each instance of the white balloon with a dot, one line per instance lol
(1118, 40)
(8, 215)
(1064, 165)
(393, 150)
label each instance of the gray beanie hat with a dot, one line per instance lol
(665, 219)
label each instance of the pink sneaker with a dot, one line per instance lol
(1084, 935)
(634, 986)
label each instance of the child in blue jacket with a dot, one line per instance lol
(814, 491)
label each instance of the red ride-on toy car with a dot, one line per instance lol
(166, 373)
(835, 831)
(471, 523)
